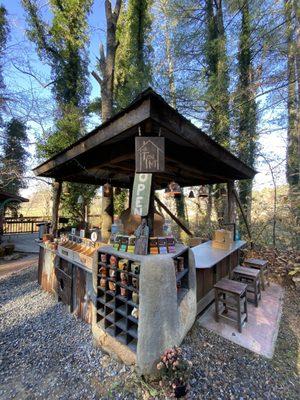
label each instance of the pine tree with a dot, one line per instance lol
(14, 156)
(246, 140)
(217, 94)
(4, 31)
(133, 65)
(62, 44)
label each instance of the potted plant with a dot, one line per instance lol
(175, 370)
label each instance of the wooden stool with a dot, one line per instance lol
(262, 265)
(251, 277)
(233, 295)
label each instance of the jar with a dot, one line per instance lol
(103, 272)
(135, 283)
(124, 278)
(103, 282)
(103, 258)
(135, 313)
(135, 268)
(113, 261)
(135, 297)
(123, 264)
(123, 291)
(112, 286)
(112, 274)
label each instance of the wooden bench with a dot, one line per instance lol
(232, 295)
(251, 277)
(262, 266)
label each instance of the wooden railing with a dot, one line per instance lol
(22, 225)
(28, 224)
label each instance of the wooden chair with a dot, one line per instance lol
(232, 295)
(251, 277)
(262, 266)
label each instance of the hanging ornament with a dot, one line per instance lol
(203, 191)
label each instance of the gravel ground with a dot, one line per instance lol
(45, 353)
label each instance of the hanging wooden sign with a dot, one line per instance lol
(149, 154)
(141, 194)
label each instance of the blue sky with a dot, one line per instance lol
(22, 48)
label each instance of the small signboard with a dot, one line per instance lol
(149, 154)
(141, 194)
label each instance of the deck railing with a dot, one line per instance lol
(29, 224)
(22, 225)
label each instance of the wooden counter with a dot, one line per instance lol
(211, 266)
(70, 281)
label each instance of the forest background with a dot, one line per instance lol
(231, 67)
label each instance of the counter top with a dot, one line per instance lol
(206, 257)
(179, 249)
(41, 244)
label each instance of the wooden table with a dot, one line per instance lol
(211, 266)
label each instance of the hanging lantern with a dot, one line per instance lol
(173, 190)
(106, 189)
(203, 191)
(191, 195)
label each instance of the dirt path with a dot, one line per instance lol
(9, 267)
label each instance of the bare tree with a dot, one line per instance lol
(106, 61)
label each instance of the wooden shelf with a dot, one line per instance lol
(114, 310)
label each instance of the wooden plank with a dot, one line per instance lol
(103, 133)
(40, 265)
(170, 119)
(178, 222)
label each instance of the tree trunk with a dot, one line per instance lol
(230, 202)
(107, 61)
(56, 193)
(247, 119)
(293, 132)
(106, 82)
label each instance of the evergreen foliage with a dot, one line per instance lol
(246, 140)
(133, 57)
(13, 157)
(217, 95)
(4, 31)
(62, 43)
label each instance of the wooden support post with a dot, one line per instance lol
(107, 211)
(178, 222)
(56, 193)
(150, 216)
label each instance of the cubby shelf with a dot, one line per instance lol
(113, 309)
